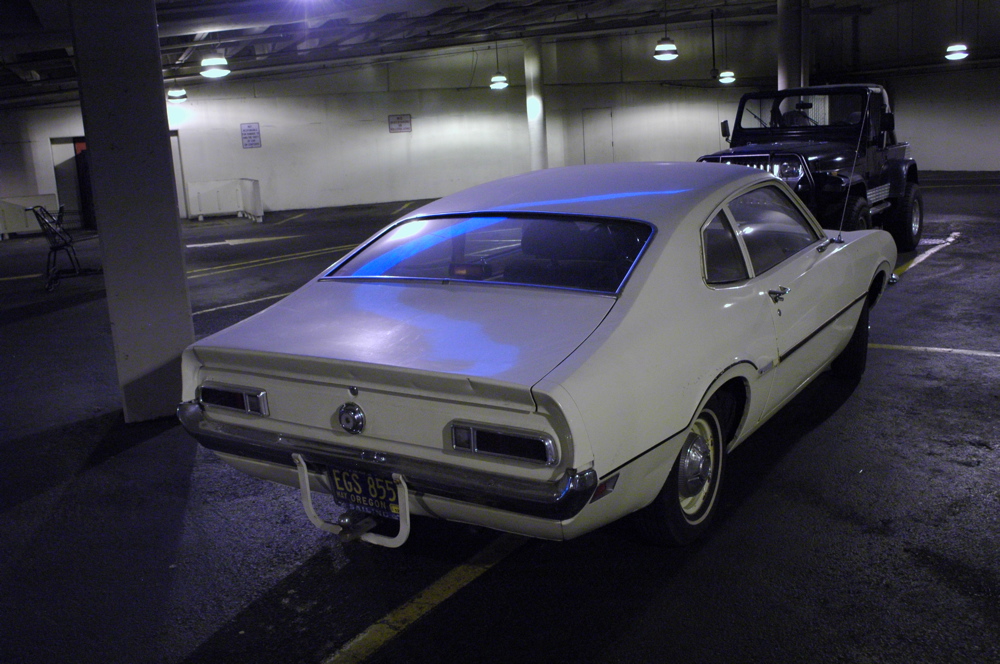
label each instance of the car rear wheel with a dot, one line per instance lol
(850, 364)
(686, 504)
(907, 218)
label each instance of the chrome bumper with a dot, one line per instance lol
(558, 500)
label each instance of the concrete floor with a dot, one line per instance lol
(857, 526)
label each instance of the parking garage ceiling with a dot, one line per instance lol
(268, 37)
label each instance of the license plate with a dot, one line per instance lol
(365, 492)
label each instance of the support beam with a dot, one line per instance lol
(125, 123)
(791, 72)
(534, 80)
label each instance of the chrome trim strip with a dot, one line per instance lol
(559, 500)
(820, 329)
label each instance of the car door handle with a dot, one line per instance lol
(778, 295)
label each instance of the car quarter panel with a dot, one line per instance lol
(640, 378)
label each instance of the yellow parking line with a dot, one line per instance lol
(927, 254)
(23, 276)
(401, 208)
(296, 216)
(372, 639)
(231, 267)
(930, 349)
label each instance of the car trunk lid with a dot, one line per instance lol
(474, 342)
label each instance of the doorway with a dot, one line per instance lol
(72, 173)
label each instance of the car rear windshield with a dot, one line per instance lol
(566, 252)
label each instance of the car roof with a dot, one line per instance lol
(660, 193)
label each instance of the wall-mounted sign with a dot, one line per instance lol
(400, 123)
(251, 135)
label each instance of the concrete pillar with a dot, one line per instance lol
(789, 44)
(534, 80)
(125, 123)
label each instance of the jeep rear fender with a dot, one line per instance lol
(901, 172)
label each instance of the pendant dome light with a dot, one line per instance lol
(215, 66)
(499, 81)
(176, 95)
(665, 49)
(957, 50)
(726, 76)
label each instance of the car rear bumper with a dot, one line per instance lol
(557, 500)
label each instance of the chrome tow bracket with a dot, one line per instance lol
(372, 538)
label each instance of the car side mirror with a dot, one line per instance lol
(725, 129)
(888, 122)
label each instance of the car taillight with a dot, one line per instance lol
(509, 443)
(245, 399)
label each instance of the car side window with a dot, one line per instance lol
(723, 259)
(771, 227)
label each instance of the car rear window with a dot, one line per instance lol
(567, 252)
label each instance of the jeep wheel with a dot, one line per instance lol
(856, 214)
(906, 221)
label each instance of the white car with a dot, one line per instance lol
(543, 354)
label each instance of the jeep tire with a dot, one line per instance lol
(906, 218)
(857, 215)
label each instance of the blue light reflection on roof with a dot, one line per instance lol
(460, 346)
(592, 199)
(381, 265)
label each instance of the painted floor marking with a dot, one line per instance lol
(23, 276)
(240, 304)
(927, 254)
(400, 209)
(956, 185)
(929, 349)
(295, 216)
(234, 243)
(232, 267)
(369, 642)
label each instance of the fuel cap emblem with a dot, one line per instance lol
(351, 417)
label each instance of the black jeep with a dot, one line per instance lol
(835, 145)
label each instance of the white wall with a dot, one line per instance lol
(326, 141)
(951, 119)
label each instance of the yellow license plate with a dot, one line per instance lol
(365, 492)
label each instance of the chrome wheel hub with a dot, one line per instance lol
(915, 218)
(695, 471)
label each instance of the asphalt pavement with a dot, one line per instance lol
(861, 524)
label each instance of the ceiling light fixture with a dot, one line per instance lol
(726, 76)
(176, 95)
(665, 49)
(215, 66)
(499, 81)
(957, 50)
